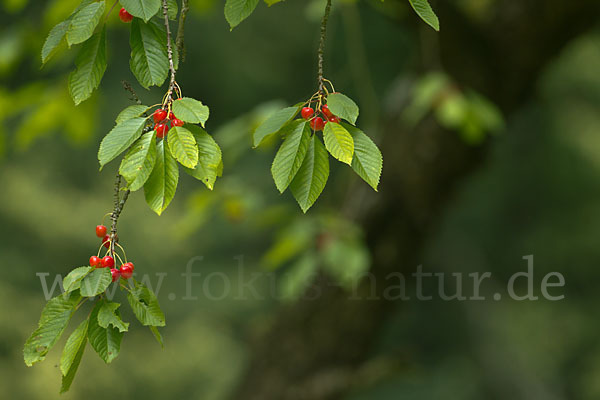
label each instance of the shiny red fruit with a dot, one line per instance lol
(307, 112)
(115, 274)
(326, 111)
(317, 124)
(100, 230)
(334, 119)
(125, 16)
(171, 115)
(127, 270)
(159, 115)
(108, 262)
(161, 130)
(106, 241)
(177, 122)
(95, 261)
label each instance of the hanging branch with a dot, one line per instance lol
(179, 42)
(321, 51)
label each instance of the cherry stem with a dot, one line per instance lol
(321, 51)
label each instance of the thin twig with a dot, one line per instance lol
(119, 203)
(165, 8)
(322, 45)
(134, 96)
(179, 42)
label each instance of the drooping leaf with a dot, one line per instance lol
(424, 10)
(157, 335)
(183, 146)
(96, 282)
(52, 323)
(130, 112)
(339, 142)
(109, 315)
(144, 9)
(119, 139)
(367, 161)
(311, 178)
(139, 161)
(291, 154)
(91, 64)
(105, 341)
(274, 123)
(343, 107)
(149, 62)
(190, 110)
(210, 161)
(54, 39)
(68, 377)
(74, 343)
(84, 23)
(145, 306)
(238, 10)
(73, 280)
(160, 187)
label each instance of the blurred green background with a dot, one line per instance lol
(520, 121)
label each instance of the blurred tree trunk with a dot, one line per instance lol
(318, 349)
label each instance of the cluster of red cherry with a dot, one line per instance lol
(161, 122)
(126, 269)
(318, 123)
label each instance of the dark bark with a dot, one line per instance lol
(318, 349)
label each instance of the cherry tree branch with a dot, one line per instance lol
(165, 8)
(321, 51)
(179, 42)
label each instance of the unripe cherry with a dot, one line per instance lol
(307, 112)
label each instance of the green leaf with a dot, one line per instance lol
(96, 282)
(106, 341)
(210, 163)
(109, 315)
(91, 64)
(131, 112)
(149, 62)
(424, 10)
(367, 161)
(119, 139)
(289, 158)
(138, 163)
(54, 39)
(145, 306)
(144, 9)
(52, 323)
(172, 9)
(74, 343)
(73, 280)
(160, 187)
(238, 10)
(339, 142)
(271, 2)
(311, 178)
(84, 23)
(157, 335)
(68, 377)
(183, 146)
(342, 106)
(274, 123)
(190, 110)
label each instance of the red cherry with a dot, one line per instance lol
(108, 261)
(159, 115)
(95, 261)
(307, 112)
(106, 241)
(326, 111)
(177, 122)
(161, 130)
(171, 115)
(125, 16)
(115, 274)
(334, 119)
(100, 230)
(127, 270)
(317, 124)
